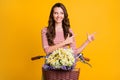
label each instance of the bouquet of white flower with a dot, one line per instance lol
(60, 59)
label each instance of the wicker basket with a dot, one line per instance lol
(61, 75)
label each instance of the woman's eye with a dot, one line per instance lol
(55, 13)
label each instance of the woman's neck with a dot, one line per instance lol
(58, 26)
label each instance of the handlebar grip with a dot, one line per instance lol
(37, 57)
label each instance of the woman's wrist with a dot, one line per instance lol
(87, 41)
(64, 43)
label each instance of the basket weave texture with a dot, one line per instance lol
(61, 75)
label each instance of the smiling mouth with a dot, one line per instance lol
(58, 19)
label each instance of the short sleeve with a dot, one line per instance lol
(44, 40)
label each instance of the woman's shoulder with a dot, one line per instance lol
(44, 30)
(70, 30)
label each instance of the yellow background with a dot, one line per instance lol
(21, 22)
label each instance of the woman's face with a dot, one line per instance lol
(58, 14)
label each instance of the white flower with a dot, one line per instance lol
(61, 57)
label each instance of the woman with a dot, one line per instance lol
(58, 33)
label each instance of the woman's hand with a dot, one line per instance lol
(91, 37)
(68, 40)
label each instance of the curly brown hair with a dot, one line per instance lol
(51, 24)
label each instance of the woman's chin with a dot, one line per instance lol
(58, 21)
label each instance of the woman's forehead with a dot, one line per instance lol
(58, 9)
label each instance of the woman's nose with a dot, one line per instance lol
(59, 15)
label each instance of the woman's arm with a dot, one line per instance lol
(56, 46)
(48, 49)
(90, 38)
